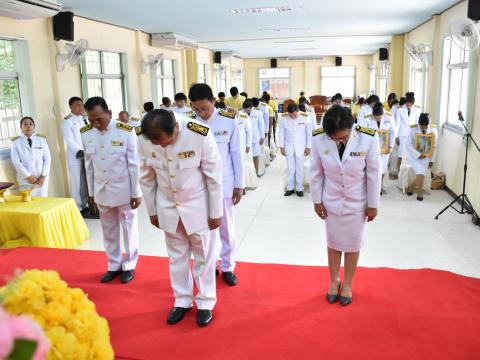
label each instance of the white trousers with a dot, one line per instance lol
(111, 219)
(180, 247)
(227, 237)
(295, 169)
(76, 183)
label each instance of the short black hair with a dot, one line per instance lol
(291, 108)
(158, 121)
(410, 97)
(302, 93)
(255, 102)
(394, 102)
(247, 104)
(148, 106)
(377, 109)
(373, 99)
(221, 105)
(26, 118)
(303, 100)
(337, 96)
(200, 92)
(244, 94)
(96, 101)
(73, 100)
(221, 94)
(360, 100)
(180, 96)
(234, 91)
(166, 100)
(337, 118)
(266, 96)
(402, 101)
(424, 119)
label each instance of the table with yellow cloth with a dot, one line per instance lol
(44, 222)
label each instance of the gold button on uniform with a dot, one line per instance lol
(172, 176)
(170, 159)
(174, 191)
(177, 203)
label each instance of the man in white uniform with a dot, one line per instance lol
(181, 177)
(180, 106)
(124, 117)
(111, 161)
(258, 129)
(71, 134)
(227, 136)
(407, 116)
(295, 143)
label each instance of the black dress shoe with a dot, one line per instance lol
(332, 299)
(299, 193)
(345, 300)
(289, 192)
(176, 315)
(127, 276)
(204, 317)
(409, 193)
(109, 276)
(420, 198)
(230, 278)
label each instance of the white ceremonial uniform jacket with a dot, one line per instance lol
(349, 185)
(295, 135)
(134, 122)
(258, 126)
(245, 126)
(184, 110)
(182, 181)
(266, 116)
(71, 134)
(312, 116)
(365, 110)
(111, 162)
(386, 123)
(227, 136)
(412, 151)
(28, 160)
(404, 121)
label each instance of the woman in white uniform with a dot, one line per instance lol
(345, 186)
(367, 108)
(245, 126)
(382, 120)
(421, 162)
(31, 158)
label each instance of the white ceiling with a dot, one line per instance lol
(320, 27)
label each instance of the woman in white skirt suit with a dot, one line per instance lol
(421, 163)
(345, 169)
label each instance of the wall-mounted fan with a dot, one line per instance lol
(464, 33)
(411, 50)
(74, 54)
(152, 63)
(420, 52)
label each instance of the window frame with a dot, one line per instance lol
(204, 79)
(354, 78)
(159, 80)
(274, 78)
(222, 69)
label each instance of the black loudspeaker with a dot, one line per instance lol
(217, 57)
(273, 63)
(338, 61)
(474, 10)
(383, 54)
(63, 26)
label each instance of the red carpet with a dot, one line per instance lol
(278, 311)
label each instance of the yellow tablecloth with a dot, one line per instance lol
(44, 222)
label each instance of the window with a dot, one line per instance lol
(237, 79)
(221, 79)
(10, 106)
(276, 82)
(102, 75)
(202, 73)
(338, 79)
(383, 79)
(166, 79)
(373, 78)
(454, 82)
(418, 80)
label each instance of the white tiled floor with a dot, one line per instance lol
(275, 229)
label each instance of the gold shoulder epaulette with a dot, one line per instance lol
(318, 131)
(304, 114)
(388, 113)
(68, 116)
(41, 135)
(85, 128)
(413, 126)
(123, 126)
(134, 119)
(138, 130)
(227, 114)
(15, 138)
(365, 130)
(199, 129)
(367, 116)
(242, 115)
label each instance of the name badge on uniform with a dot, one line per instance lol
(186, 154)
(117, 143)
(38, 147)
(221, 133)
(326, 152)
(301, 123)
(358, 153)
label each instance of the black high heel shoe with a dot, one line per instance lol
(333, 298)
(345, 300)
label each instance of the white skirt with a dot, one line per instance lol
(266, 155)
(345, 233)
(251, 180)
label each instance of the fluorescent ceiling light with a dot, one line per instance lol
(272, 9)
(284, 29)
(293, 41)
(305, 49)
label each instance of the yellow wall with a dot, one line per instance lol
(305, 75)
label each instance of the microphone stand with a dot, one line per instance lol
(466, 205)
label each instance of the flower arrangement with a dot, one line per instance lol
(66, 315)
